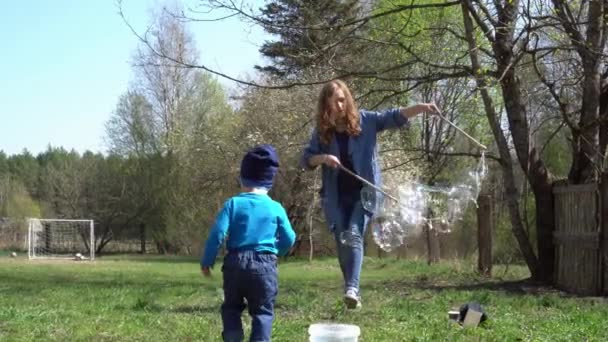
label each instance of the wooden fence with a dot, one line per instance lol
(580, 245)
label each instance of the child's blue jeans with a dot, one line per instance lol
(250, 276)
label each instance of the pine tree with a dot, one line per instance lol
(306, 31)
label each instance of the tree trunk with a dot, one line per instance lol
(142, 238)
(604, 117)
(432, 244)
(586, 157)
(402, 252)
(511, 193)
(484, 234)
(545, 221)
(311, 210)
(311, 246)
(529, 158)
(380, 252)
(533, 167)
(589, 46)
(47, 237)
(105, 238)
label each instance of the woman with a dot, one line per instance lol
(345, 136)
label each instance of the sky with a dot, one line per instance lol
(65, 63)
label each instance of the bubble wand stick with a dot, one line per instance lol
(461, 131)
(367, 182)
(393, 197)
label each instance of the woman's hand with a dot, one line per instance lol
(420, 108)
(331, 160)
(430, 108)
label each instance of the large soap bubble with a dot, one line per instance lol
(439, 207)
(389, 231)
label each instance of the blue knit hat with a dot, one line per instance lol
(259, 166)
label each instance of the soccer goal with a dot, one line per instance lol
(61, 239)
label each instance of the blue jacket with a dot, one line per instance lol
(363, 151)
(252, 222)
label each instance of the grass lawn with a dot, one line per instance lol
(132, 298)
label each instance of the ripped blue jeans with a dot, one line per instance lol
(353, 218)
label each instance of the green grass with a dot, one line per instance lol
(166, 299)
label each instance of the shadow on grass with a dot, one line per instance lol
(142, 305)
(32, 281)
(149, 258)
(22, 284)
(194, 309)
(517, 287)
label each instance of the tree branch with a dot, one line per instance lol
(397, 9)
(487, 31)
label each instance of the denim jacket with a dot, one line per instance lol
(363, 151)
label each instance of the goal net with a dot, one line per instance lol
(61, 239)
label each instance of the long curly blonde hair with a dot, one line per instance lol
(325, 126)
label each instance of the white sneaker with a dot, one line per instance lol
(352, 300)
